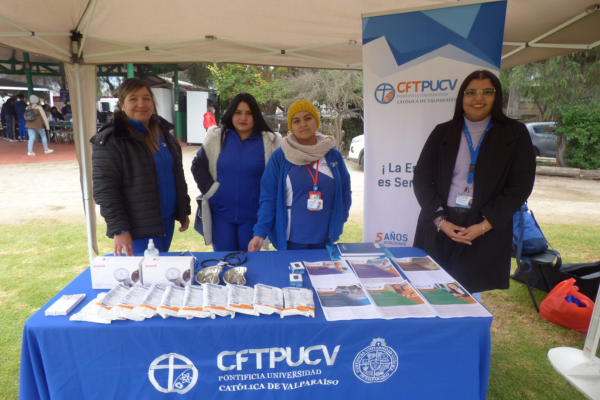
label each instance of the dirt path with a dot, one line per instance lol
(51, 191)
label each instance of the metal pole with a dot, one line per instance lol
(86, 195)
(130, 70)
(177, 114)
(28, 74)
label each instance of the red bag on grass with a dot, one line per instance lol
(567, 307)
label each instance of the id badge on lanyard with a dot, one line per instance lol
(315, 202)
(465, 200)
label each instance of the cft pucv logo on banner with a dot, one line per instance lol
(384, 93)
(174, 373)
(421, 89)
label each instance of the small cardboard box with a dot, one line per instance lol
(295, 280)
(108, 272)
(165, 270)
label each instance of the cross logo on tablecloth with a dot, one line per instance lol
(184, 381)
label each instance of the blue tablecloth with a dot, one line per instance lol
(268, 357)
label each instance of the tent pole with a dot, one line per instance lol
(86, 195)
(176, 95)
(130, 73)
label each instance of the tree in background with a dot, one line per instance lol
(199, 75)
(339, 90)
(557, 82)
(267, 84)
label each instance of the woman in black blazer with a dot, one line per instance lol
(469, 192)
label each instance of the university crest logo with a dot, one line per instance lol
(375, 363)
(178, 367)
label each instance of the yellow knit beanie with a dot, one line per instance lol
(302, 105)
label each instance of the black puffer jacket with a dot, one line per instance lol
(125, 181)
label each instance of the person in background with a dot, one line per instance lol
(20, 106)
(474, 173)
(10, 117)
(66, 109)
(228, 169)
(56, 115)
(137, 174)
(3, 120)
(40, 125)
(305, 193)
(209, 118)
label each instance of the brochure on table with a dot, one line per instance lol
(370, 288)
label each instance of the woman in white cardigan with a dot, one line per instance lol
(228, 170)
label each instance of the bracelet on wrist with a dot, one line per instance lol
(439, 221)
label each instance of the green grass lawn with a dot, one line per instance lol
(38, 259)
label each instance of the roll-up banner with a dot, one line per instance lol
(414, 62)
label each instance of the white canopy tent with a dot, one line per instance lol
(313, 34)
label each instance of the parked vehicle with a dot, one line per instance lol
(357, 151)
(543, 136)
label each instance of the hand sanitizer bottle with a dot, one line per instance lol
(151, 251)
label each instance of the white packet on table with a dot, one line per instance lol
(268, 299)
(133, 298)
(112, 298)
(88, 313)
(151, 301)
(215, 300)
(171, 302)
(241, 299)
(193, 303)
(298, 301)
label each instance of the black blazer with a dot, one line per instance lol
(504, 176)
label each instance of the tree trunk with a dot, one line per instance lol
(561, 147)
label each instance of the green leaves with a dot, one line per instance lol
(580, 124)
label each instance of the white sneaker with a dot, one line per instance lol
(13, 140)
(31, 153)
(49, 151)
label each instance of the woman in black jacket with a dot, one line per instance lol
(473, 174)
(138, 174)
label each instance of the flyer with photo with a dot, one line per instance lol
(422, 270)
(327, 268)
(346, 302)
(451, 300)
(374, 269)
(399, 300)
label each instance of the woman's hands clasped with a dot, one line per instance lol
(465, 235)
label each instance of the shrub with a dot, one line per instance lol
(580, 124)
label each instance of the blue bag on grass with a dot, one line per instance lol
(526, 228)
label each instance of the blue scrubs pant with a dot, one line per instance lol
(302, 246)
(161, 243)
(231, 235)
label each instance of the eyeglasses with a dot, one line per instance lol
(487, 92)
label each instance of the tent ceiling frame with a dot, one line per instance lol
(534, 42)
(34, 35)
(91, 7)
(87, 28)
(269, 51)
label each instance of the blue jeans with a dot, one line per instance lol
(32, 133)
(22, 129)
(161, 243)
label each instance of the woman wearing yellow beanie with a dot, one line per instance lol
(305, 193)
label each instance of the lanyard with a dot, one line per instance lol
(315, 177)
(474, 150)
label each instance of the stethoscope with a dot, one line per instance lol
(230, 260)
(212, 267)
